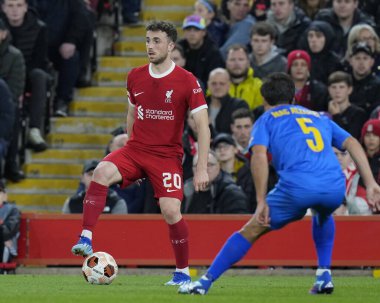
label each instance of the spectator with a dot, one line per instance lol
(74, 204)
(29, 35)
(240, 24)
(370, 137)
(130, 11)
(9, 227)
(289, 21)
(259, 9)
(342, 17)
(216, 28)
(372, 8)
(365, 33)
(12, 71)
(222, 196)
(178, 56)
(220, 104)
(241, 128)
(366, 91)
(266, 57)
(348, 116)
(201, 53)
(311, 7)
(68, 27)
(7, 112)
(310, 93)
(317, 41)
(232, 162)
(244, 85)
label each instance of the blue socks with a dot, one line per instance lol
(233, 250)
(323, 235)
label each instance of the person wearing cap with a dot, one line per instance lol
(216, 28)
(317, 40)
(240, 22)
(222, 196)
(12, 71)
(310, 93)
(370, 137)
(74, 204)
(366, 86)
(10, 218)
(342, 16)
(201, 53)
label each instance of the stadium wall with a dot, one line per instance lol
(142, 240)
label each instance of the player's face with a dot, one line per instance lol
(361, 64)
(239, 9)
(158, 46)
(241, 130)
(316, 41)
(344, 8)
(261, 45)
(372, 143)
(299, 70)
(225, 152)
(201, 10)
(15, 11)
(219, 85)
(237, 63)
(339, 91)
(281, 9)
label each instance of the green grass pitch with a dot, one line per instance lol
(138, 289)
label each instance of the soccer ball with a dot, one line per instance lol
(99, 268)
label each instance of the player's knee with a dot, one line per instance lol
(253, 231)
(105, 173)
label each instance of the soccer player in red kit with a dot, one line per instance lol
(159, 94)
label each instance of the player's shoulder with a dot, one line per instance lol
(181, 71)
(136, 71)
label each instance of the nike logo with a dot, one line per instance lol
(171, 190)
(136, 94)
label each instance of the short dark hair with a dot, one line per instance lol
(278, 88)
(263, 29)
(165, 27)
(236, 46)
(180, 49)
(339, 76)
(241, 113)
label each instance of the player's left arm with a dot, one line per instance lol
(201, 177)
(358, 155)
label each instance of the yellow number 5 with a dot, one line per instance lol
(317, 144)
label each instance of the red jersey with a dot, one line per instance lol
(161, 103)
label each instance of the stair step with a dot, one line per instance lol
(101, 109)
(85, 125)
(78, 140)
(129, 48)
(101, 94)
(137, 34)
(110, 78)
(148, 3)
(53, 170)
(174, 16)
(44, 186)
(39, 200)
(120, 64)
(65, 155)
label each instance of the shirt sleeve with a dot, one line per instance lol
(196, 99)
(339, 135)
(260, 133)
(131, 99)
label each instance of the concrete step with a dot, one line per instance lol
(130, 48)
(78, 140)
(38, 201)
(117, 94)
(85, 125)
(148, 3)
(174, 15)
(99, 109)
(53, 170)
(44, 186)
(120, 64)
(137, 34)
(117, 79)
(77, 156)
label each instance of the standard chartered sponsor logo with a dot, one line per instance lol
(154, 114)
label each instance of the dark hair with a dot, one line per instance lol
(263, 29)
(236, 46)
(339, 76)
(241, 113)
(165, 27)
(180, 49)
(278, 88)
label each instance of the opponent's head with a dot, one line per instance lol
(278, 88)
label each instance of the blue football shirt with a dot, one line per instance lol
(300, 141)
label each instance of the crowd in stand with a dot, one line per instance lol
(331, 49)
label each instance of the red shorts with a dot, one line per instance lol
(165, 174)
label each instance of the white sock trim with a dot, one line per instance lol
(320, 271)
(184, 270)
(87, 233)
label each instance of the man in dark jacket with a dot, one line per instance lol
(9, 227)
(201, 53)
(7, 112)
(222, 197)
(29, 35)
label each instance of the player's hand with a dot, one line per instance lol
(373, 197)
(262, 213)
(200, 180)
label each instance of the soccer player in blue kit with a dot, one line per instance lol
(300, 141)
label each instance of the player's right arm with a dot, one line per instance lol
(130, 119)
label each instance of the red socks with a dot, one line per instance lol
(93, 204)
(179, 234)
